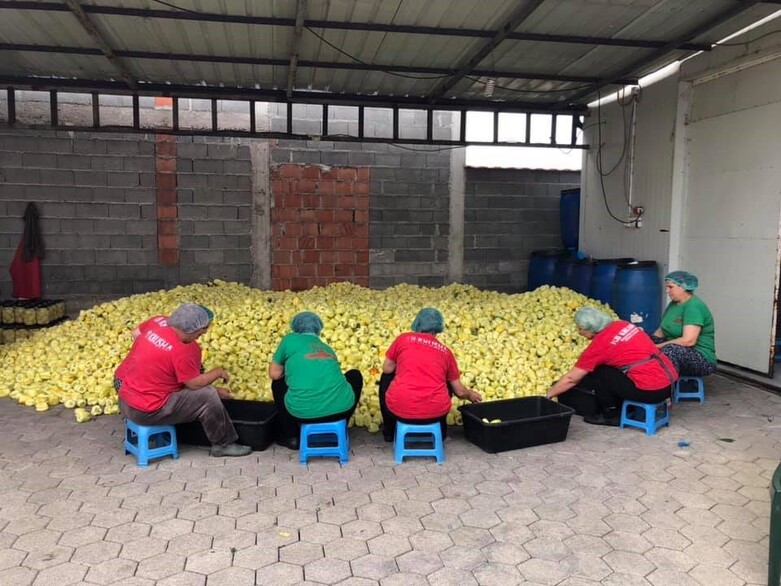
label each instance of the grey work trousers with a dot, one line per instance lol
(202, 404)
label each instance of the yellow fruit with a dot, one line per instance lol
(506, 345)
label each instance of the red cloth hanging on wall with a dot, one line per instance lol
(26, 266)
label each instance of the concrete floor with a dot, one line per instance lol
(607, 506)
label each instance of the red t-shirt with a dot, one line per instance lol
(423, 367)
(621, 344)
(158, 364)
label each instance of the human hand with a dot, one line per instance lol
(224, 393)
(473, 396)
(223, 374)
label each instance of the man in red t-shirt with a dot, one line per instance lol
(419, 375)
(621, 363)
(161, 381)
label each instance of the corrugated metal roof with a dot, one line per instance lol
(559, 53)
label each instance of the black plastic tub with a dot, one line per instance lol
(255, 423)
(583, 401)
(525, 422)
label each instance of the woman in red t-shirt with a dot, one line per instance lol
(419, 375)
(621, 363)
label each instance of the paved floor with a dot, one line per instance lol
(608, 506)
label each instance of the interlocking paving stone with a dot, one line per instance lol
(373, 566)
(183, 579)
(280, 574)
(111, 570)
(67, 573)
(327, 571)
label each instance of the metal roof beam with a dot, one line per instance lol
(295, 47)
(159, 56)
(360, 26)
(269, 95)
(94, 33)
(515, 19)
(671, 46)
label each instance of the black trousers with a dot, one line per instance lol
(389, 419)
(612, 387)
(289, 426)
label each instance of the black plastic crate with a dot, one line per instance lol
(255, 422)
(525, 422)
(583, 401)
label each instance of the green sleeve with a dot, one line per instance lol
(280, 354)
(694, 315)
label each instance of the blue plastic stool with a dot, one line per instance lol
(138, 438)
(650, 422)
(431, 432)
(699, 394)
(324, 439)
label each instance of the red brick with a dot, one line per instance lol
(328, 256)
(345, 256)
(347, 229)
(362, 256)
(347, 202)
(343, 216)
(166, 197)
(361, 216)
(307, 243)
(361, 243)
(284, 271)
(291, 201)
(311, 256)
(167, 212)
(280, 257)
(165, 180)
(329, 175)
(280, 284)
(324, 216)
(362, 281)
(343, 243)
(285, 214)
(325, 270)
(329, 229)
(344, 188)
(310, 201)
(306, 186)
(286, 243)
(168, 256)
(326, 187)
(165, 165)
(299, 284)
(364, 173)
(293, 229)
(280, 186)
(360, 188)
(312, 172)
(343, 270)
(167, 227)
(346, 174)
(307, 215)
(325, 243)
(167, 241)
(329, 201)
(291, 171)
(309, 229)
(361, 270)
(307, 270)
(278, 230)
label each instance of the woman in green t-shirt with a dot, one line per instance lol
(307, 382)
(686, 334)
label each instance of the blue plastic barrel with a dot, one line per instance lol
(580, 276)
(562, 277)
(637, 294)
(542, 267)
(602, 277)
(569, 214)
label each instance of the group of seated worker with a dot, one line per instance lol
(622, 362)
(162, 379)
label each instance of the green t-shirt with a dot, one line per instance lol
(691, 313)
(316, 385)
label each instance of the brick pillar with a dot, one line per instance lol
(167, 208)
(320, 226)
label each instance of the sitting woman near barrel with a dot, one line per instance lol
(621, 363)
(419, 375)
(686, 334)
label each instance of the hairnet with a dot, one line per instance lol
(429, 321)
(190, 317)
(686, 281)
(306, 322)
(592, 319)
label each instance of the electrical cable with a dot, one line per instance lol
(509, 89)
(747, 43)
(598, 163)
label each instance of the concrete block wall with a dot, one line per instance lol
(97, 197)
(508, 214)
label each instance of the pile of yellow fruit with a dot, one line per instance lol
(506, 345)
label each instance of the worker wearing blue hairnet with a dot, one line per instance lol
(687, 331)
(419, 375)
(620, 363)
(307, 382)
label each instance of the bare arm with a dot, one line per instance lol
(388, 366)
(463, 392)
(135, 333)
(276, 371)
(688, 338)
(207, 378)
(565, 383)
